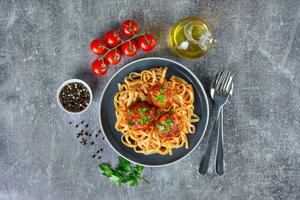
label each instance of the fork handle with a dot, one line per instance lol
(206, 157)
(220, 147)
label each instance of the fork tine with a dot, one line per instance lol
(229, 85)
(217, 78)
(220, 81)
(226, 76)
(223, 89)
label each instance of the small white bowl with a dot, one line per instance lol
(74, 81)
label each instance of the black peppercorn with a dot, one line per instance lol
(74, 97)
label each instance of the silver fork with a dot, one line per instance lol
(220, 139)
(220, 91)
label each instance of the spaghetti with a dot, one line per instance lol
(155, 114)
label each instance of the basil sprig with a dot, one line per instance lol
(124, 173)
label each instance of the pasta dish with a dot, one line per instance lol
(153, 113)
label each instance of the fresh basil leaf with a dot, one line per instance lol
(124, 173)
(115, 179)
(123, 161)
(124, 164)
(119, 172)
(161, 98)
(138, 169)
(134, 182)
(131, 123)
(126, 179)
(106, 169)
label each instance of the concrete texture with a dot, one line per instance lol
(43, 43)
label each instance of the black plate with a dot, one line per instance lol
(108, 118)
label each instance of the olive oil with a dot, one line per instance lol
(191, 37)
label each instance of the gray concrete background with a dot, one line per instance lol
(43, 43)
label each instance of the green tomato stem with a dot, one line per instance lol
(122, 42)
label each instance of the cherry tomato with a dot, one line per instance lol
(129, 28)
(113, 57)
(113, 38)
(99, 67)
(146, 42)
(129, 48)
(98, 47)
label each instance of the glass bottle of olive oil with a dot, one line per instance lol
(191, 37)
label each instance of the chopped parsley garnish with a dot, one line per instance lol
(148, 120)
(140, 121)
(143, 110)
(163, 88)
(130, 112)
(160, 127)
(169, 121)
(161, 98)
(131, 123)
(144, 119)
(167, 128)
(163, 128)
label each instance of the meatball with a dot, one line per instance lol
(169, 125)
(160, 96)
(140, 116)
